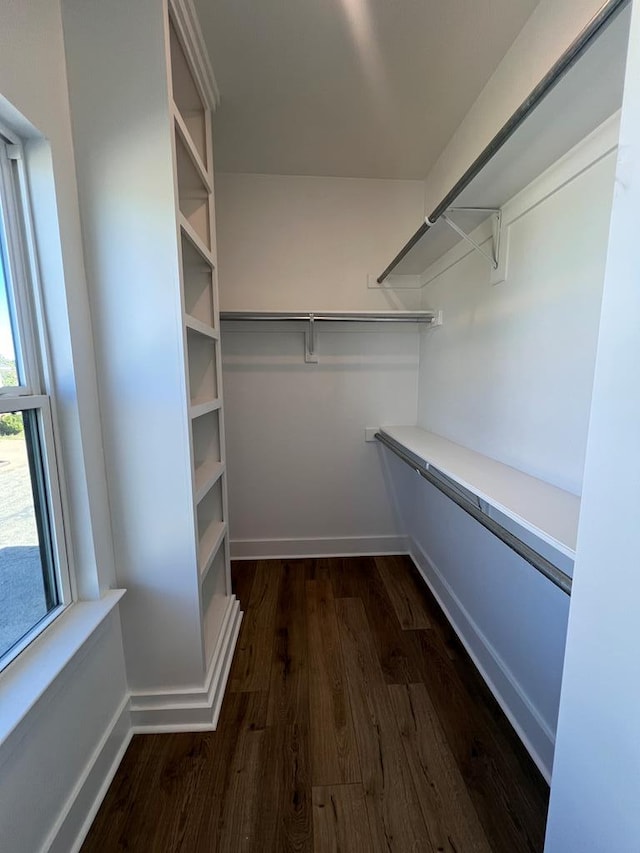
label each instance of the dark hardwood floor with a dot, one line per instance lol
(353, 721)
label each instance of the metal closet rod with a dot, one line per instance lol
(335, 316)
(540, 563)
(571, 55)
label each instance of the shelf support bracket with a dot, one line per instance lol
(492, 258)
(310, 348)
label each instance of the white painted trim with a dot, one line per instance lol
(188, 26)
(586, 154)
(174, 709)
(342, 546)
(27, 678)
(523, 716)
(81, 807)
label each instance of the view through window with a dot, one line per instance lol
(30, 587)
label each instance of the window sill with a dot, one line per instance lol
(25, 680)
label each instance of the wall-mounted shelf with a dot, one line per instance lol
(430, 318)
(581, 91)
(541, 517)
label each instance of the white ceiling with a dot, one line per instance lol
(353, 88)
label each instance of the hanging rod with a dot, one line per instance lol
(540, 563)
(571, 55)
(335, 316)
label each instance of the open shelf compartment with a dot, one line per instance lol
(214, 601)
(193, 194)
(198, 285)
(210, 521)
(202, 361)
(186, 96)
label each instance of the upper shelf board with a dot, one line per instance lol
(580, 92)
(545, 511)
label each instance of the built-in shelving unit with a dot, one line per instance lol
(580, 92)
(201, 333)
(159, 309)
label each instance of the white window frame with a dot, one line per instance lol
(33, 392)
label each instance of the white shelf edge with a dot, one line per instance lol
(192, 151)
(190, 233)
(519, 478)
(199, 409)
(212, 539)
(196, 325)
(210, 477)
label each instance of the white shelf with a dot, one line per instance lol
(204, 408)
(545, 511)
(570, 105)
(192, 151)
(202, 328)
(206, 475)
(209, 545)
(190, 233)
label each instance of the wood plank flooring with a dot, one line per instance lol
(353, 721)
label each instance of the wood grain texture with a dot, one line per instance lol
(289, 683)
(340, 822)
(329, 686)
(243, 574)
(283, 817)
(398, 578)
(397, 652)
(446, 806)
(251, 668)
(334, 754)
(394, 812)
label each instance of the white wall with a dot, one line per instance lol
(301, 478)
(308, 244)
(594, 797)
(55, 767)
(43, 764)
(510, 375)
(510, 372)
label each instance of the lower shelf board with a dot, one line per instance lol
(206, 476)
(209, 545)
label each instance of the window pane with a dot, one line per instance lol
(27, 580)
(8, 369)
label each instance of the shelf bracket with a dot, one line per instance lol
(497, 213)
(310, 341)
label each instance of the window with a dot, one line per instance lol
(34, 578)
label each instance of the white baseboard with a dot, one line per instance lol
(81, 807)
(523, 716)
(197, 709)
(169, 711)
(343, 546)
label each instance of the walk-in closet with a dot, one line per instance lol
(323, 317)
